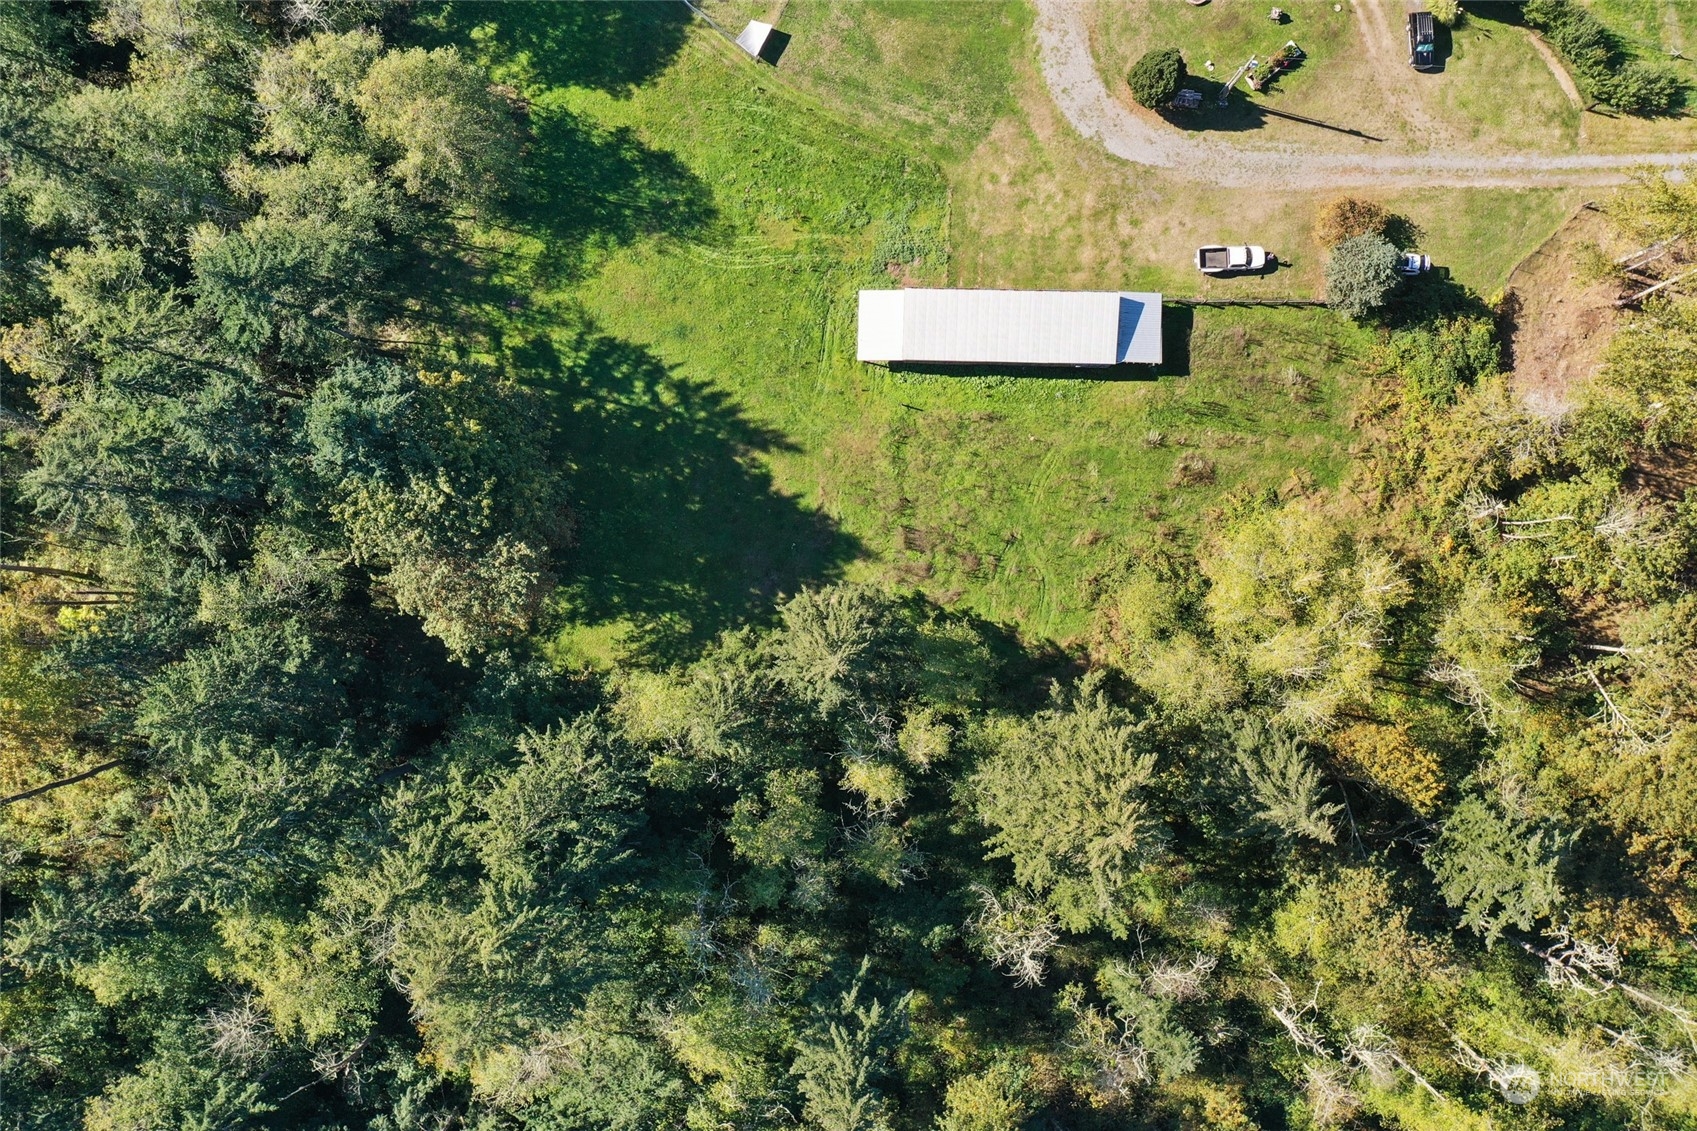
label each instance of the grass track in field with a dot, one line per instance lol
(932, 74)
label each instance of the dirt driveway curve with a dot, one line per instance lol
(1063, 44)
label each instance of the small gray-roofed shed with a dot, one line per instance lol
(1076, 328)
(754, 36)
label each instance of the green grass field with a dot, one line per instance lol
(1227, 34)
(696, 326)
(1341, 82)
(1013, 496)
(730, 448)
(1652, 29)
(932, 75)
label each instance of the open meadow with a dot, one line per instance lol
(903, 143)
(756, 456)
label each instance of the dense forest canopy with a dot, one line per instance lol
(1373, 809)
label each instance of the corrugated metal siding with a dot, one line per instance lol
(1017, 327)
(1095, 328)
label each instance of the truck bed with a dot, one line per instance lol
(1215, 257)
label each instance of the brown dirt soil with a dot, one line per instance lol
(1558, 72)
(1561, 321)
(1670, 474)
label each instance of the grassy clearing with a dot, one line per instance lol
(697, 329)
(1496, 92)
(1035, 205)
(918, 72)
(1516, 104)
(1009, 495)
(1226, 35)
(1480, 236)
(1109, 224)
(729, 448)
(1648, 29)
(1352, 52)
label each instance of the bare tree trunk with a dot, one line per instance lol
(1652, 290)
(48, 571)
(52, 785)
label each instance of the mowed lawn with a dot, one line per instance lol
(1493, 92)
(697, 333)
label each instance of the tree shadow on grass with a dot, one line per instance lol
(587, 187)
(1402, 231)
(601, 44)
(681, 532)
(1429, 297)
(1241, 112)
(583, 191)
(1510, 12)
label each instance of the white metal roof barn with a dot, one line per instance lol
(1097, 328)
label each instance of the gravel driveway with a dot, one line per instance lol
(1063, 44)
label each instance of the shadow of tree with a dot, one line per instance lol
(1510, 12)
(609, 45)
(1241, 112)
(680, 530)
(1424, 298)
(1237, 114)
(587, 187)
(1402, 231)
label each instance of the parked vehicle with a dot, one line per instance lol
(1413, 263)
(1220, 259)
(1422, 42)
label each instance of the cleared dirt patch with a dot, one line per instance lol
(1559, 72)
(1669, 475)
(1562, 320)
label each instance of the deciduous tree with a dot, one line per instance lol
(453, 139)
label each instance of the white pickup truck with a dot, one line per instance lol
(1219, 259)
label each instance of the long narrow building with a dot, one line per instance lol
(1060, 328)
